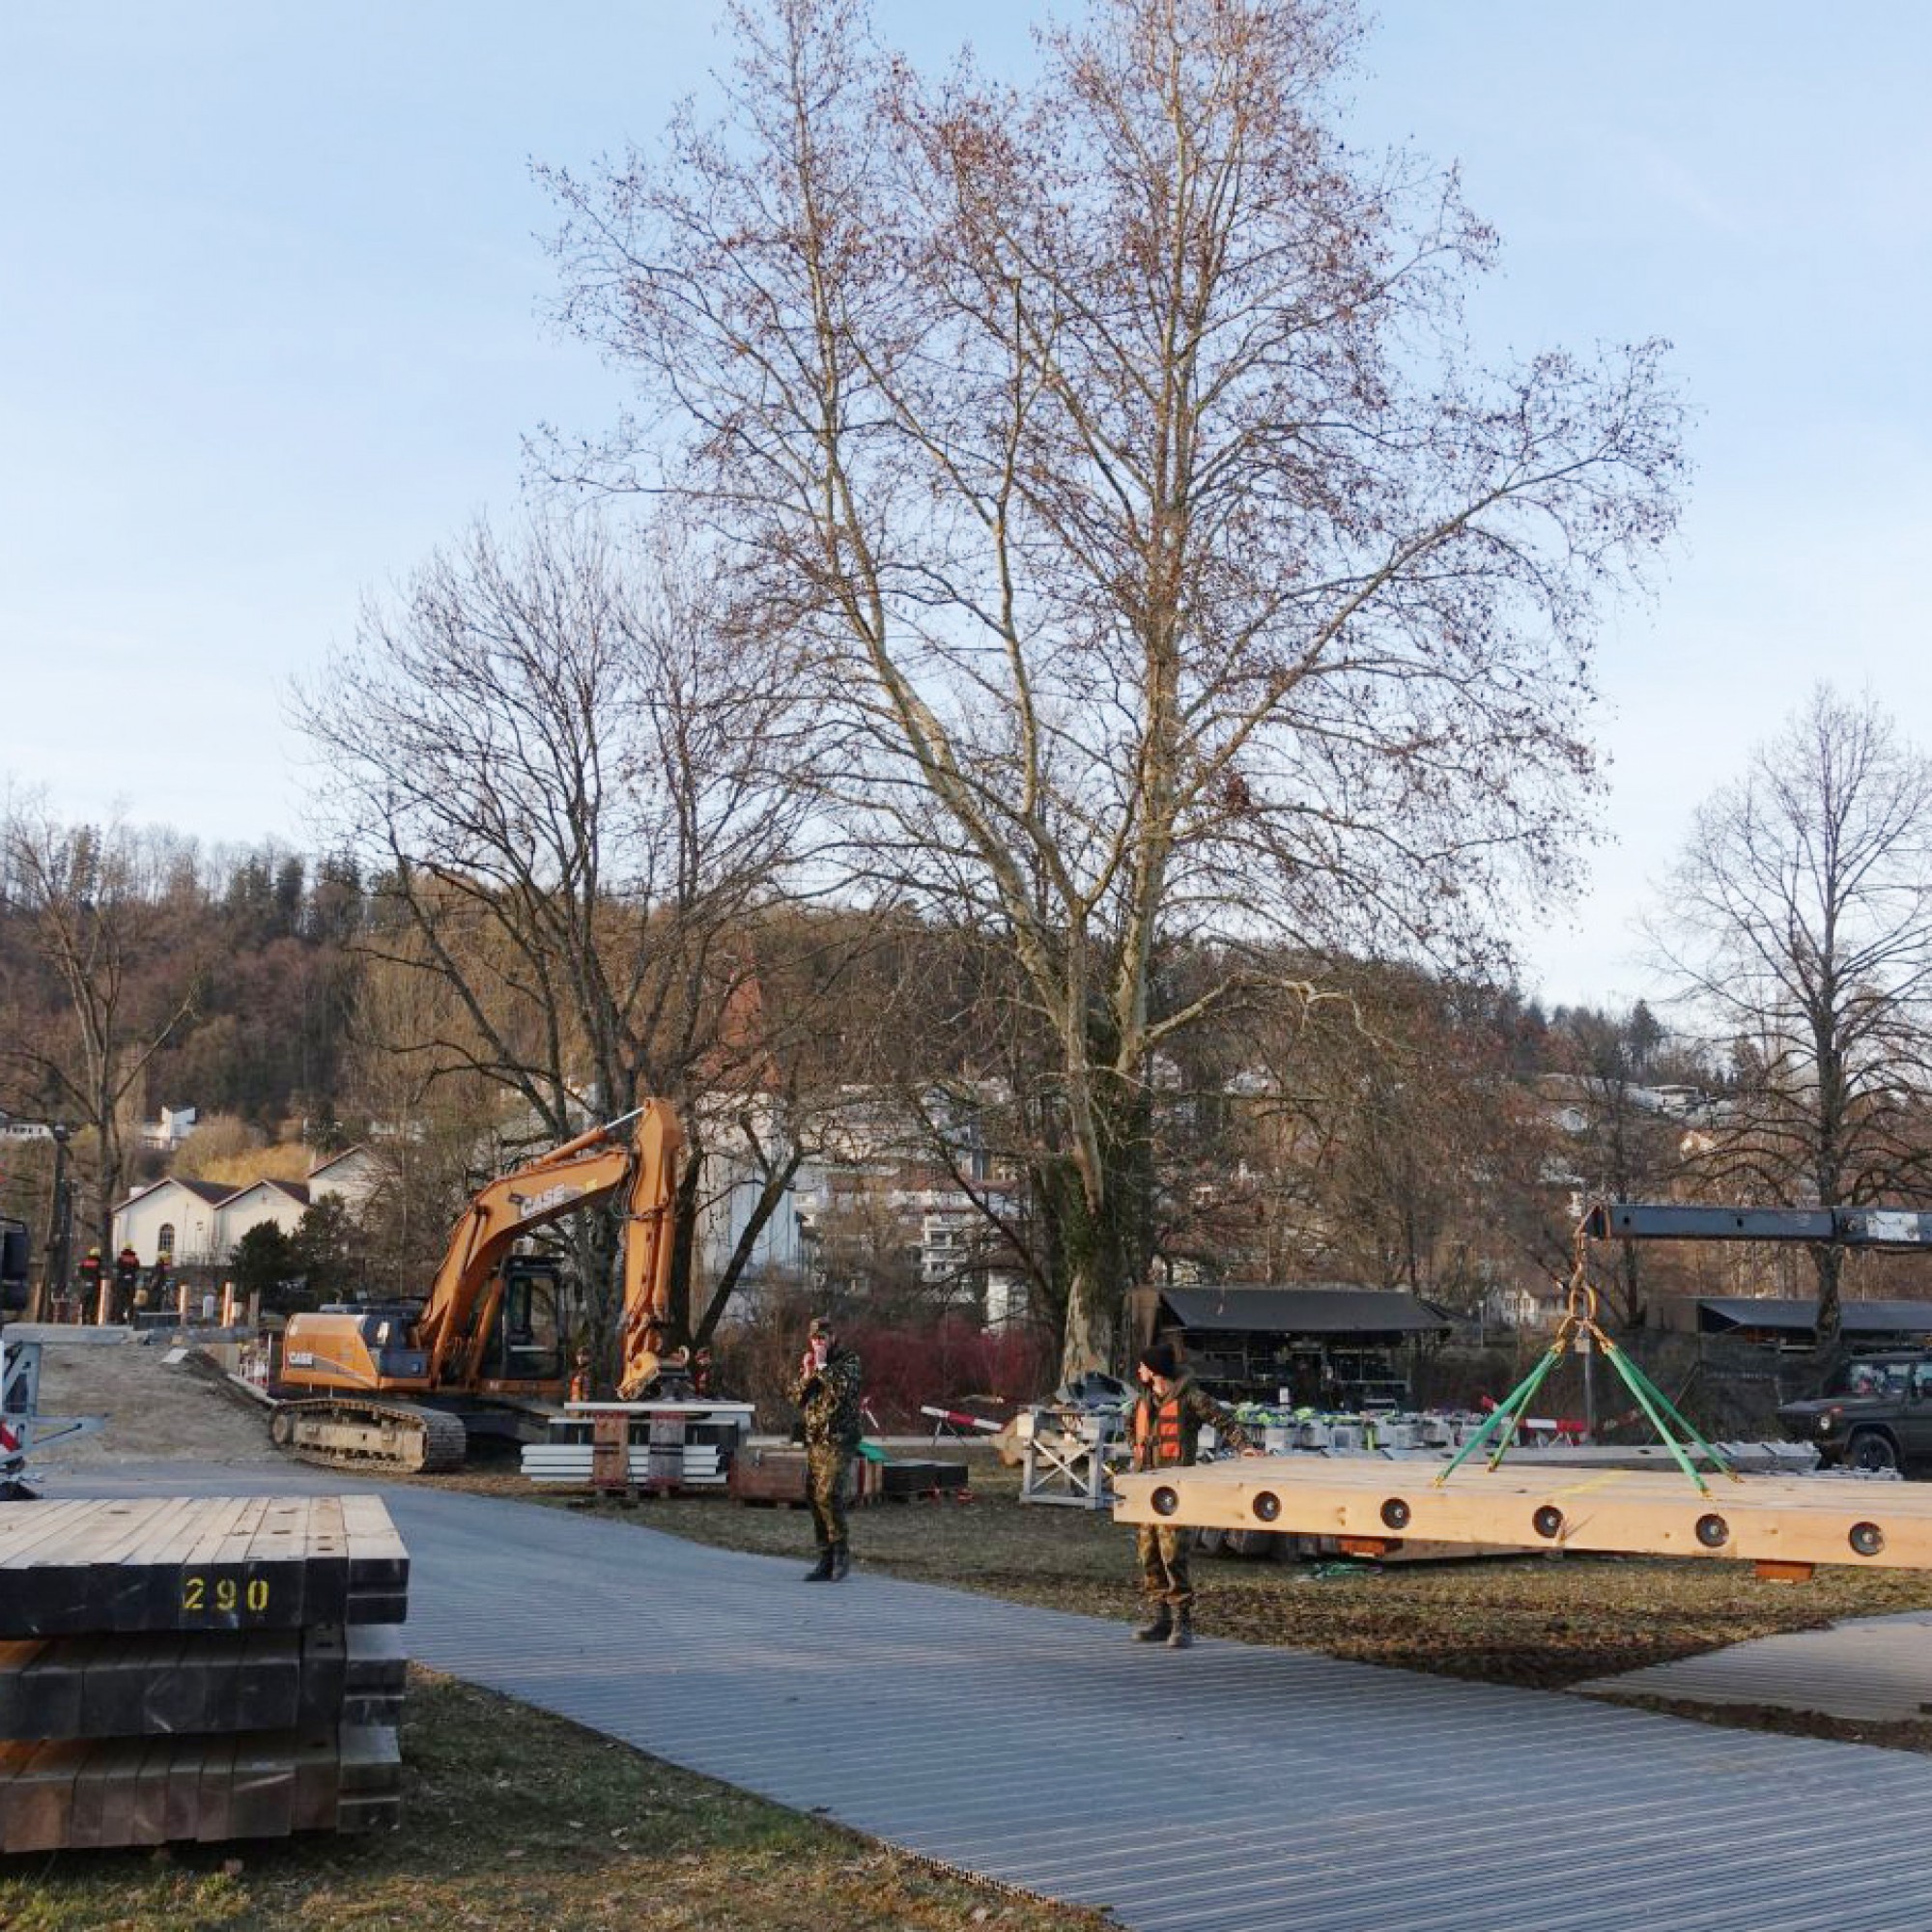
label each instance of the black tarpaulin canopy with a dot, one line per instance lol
(1302, 1311)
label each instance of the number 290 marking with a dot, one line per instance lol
(227, 1596)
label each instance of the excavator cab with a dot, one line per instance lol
(534, 1325)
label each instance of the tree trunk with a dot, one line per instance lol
(1100, 1251)
(684, 1247)
(594, 1254)
(1097, 1267)
(1830, 1263)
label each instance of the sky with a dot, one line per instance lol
(272, 287)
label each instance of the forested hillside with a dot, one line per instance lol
(1405, 1131)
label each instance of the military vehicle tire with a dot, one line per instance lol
(1872, 1450)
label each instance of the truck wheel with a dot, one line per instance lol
(1868, 1449)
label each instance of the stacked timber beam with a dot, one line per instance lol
(198, 1668)
(659, 1447)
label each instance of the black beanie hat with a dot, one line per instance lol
(1159, 1358)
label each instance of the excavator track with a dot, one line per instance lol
(362, 1433)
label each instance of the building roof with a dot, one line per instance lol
(214, 1192)
(1718, 1314)
(336, 1159)
(296, 1190)
(1307, 1310)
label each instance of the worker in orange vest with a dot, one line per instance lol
(1164, 1427)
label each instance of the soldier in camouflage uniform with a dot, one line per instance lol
(826, 1390)
(1164, 1425)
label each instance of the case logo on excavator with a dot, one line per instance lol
(555, 1197)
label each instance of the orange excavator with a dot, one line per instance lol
(402, 1386)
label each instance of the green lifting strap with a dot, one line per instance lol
(1662, 1412)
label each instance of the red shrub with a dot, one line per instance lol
(907, 1368)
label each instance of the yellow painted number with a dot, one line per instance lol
(226, 1596)
(193, 1590)
(258, 1592)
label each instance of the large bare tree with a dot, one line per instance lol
(1111, 447)
(1798, 925)
(104, 970)
(569, 766)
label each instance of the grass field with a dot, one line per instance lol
(515, 1819)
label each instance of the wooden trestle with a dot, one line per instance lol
(1784, 1525)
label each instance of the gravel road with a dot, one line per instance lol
(152, 1408)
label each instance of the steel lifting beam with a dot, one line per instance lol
(1841, 1227)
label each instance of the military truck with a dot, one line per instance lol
(1875, 1413)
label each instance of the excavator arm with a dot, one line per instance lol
(460, 1315)
(648, 1246)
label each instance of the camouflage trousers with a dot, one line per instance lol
(1163, 1557)
(825, 1467)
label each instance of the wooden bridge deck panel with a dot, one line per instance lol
(1630, 1511)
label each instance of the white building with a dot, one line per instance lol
(175, 1221)
(350, 1176)
(281, 1202)
(1511, 1305)
(170, 1131)
(869, 1150)
(197, 1223)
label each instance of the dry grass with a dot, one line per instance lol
(1541, 1621)
(514, 1819)
(1910, 1734)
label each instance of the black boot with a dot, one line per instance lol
(1182, 1634)
(841, 1561)
(1157, 1631)
(821, 1571)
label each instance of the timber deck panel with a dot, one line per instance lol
(1804, 1520)
(187, 1563)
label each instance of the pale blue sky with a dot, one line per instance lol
(269, 283)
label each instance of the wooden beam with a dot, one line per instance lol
(1780, 1520)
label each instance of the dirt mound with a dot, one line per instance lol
(186, 1408)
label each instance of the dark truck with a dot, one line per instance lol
(1875, 1413)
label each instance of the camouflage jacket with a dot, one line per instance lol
(1165, 1430)
(829, 1399)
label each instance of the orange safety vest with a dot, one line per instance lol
(1163, 1425)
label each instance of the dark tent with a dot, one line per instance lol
(1328, 1344)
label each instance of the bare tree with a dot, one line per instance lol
(1626, 1147)
(1110, 447)
(427, 1123)
(1800, 928)
(118, 965)
(570, 765)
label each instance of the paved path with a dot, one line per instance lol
(1866, 1669)
(1228, 1789)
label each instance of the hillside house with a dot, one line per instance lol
(197, 1223)
(281, 1202)
(174, 1221)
